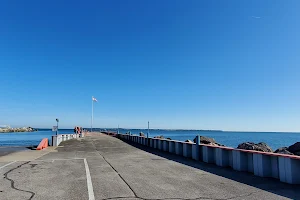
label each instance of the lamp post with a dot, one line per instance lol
(148, 135)
(57, 120)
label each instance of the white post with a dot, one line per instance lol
(148, 135)
(92, 113)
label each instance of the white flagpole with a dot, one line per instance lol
(92, 113)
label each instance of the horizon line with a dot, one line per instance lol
(210, 130)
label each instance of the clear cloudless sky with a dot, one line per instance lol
(210, 64)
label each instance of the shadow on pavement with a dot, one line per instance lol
(4, 150)
(268, 184)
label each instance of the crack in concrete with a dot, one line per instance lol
(246, 195)
(198, 198)
(111, 198)
(12, 182)
(135, 195)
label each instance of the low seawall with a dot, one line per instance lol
(57, 139)
(263, 164)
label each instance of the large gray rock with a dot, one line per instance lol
(215, 144)
(295, 148)
(207, 140)
(189, 141)
(297, 153)
(218, 144)
(256, 147)
(264, 147)
(142, 134)
(23, 129)
(283, 150)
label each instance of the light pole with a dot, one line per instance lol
(57, 120)
(148, 135)
(93, 99)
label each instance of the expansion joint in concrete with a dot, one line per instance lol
(135, 195)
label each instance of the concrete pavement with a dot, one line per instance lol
(103, 167)
(4, 150)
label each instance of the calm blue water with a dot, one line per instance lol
(28, 138)
(231, 139)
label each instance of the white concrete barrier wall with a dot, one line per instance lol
(159, 144)
(172, 147)
(240, 160)
(179, 148)
(166, 145)
(155, 143)
(151, 143)
(283, 167)
(222, 157)
(196, 151)
(289, 170)
(57, 139)
(262, 165)
(187, 150)
(275, 167)
(208, 154)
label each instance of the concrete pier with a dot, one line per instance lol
(103, 167)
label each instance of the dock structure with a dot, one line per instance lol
(99, 166)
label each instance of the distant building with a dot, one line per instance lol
(4, 126)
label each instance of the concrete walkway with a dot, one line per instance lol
(103, 167)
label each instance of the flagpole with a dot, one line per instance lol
(92, 113)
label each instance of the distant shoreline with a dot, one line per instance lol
(17, 130)
(157, 129)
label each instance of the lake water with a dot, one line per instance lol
(28, 138)
(231, 139)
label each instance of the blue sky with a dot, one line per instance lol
(230, 65)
